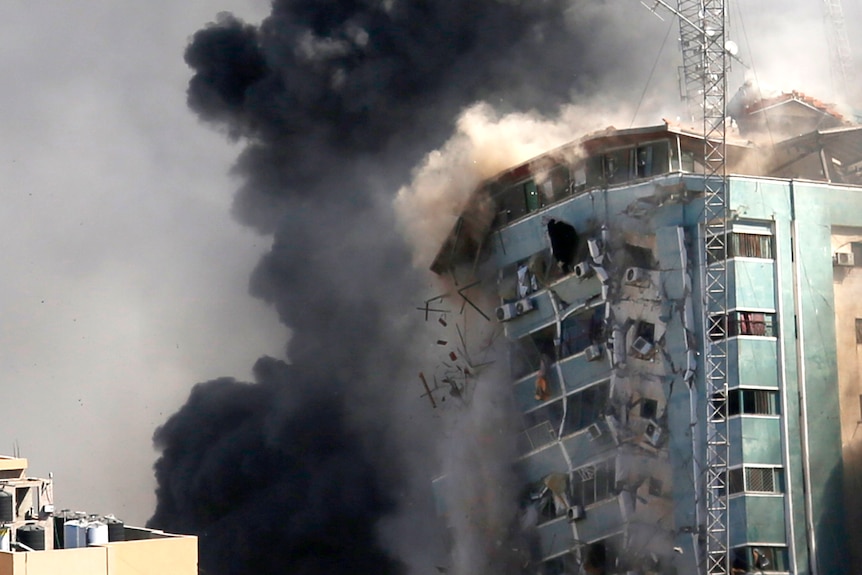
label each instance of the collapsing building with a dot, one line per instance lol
(596, 256)
(36, 540)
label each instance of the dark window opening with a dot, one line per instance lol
(859, 330)
(639, 257)
(856, 248)
(760, 558)
(554, 185)
(736, 481)
(646, 330)
(594, 483)
(547, 415)
(585, 407)
(649, 408)
(655, 487)
(652, 159)
(581, 330)
(742, 323)
(564, 243)
(741, 245)
(616, 166)
(603, 556)
(753, 402)
(525, 354)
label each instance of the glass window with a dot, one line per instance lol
(753, 402)
(740, 244)
(585, 407)
(742, 323)
(760, 558)
(579, 331)
(526, 353)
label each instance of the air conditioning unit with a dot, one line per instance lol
(602, 274)
(583, 270)
(595, 248)
(595, 431)
(637, 276)
(576, 513)
(641, 346)
(507, 311)
(843, 259)
(593, 352)
(522, 306)
(653, 434)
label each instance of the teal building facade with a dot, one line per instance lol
(596, 254)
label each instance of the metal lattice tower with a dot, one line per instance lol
(841, 59)
(714, 82)
(691, 45)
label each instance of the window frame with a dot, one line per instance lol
(744, 474)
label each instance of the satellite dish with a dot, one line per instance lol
(731, 47)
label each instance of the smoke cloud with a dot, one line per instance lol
(322, 464)
(334, 101)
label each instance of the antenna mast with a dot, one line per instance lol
(704, 83)
(714, 82)
(841, 59)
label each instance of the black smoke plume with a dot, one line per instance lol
(335, 100)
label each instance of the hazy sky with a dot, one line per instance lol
(124, 277)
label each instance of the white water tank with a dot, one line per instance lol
(5, 538)
(97, 533)
(75, 534)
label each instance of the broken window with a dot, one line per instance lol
(579, 331)
(525, 354)
(753, 402)
(655, 487)
(593, 483)
(760, 558)
(542, 417)
(603, 556)
(649, 408)
(756, 480)
(554, 185)
(743, 323)
(516, 201)
(564, 243)
(652, 159)
(584, 408)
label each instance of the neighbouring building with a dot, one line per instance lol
(36, 540)
(596, 257)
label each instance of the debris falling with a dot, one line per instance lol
(334, 102)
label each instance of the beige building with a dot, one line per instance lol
(34, 540)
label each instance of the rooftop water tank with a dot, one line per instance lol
(5, 537)
(97, 533)
(59, 526)
(7, 505)
(75, 534)
(31, 535)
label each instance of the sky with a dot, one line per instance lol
(125, 278)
